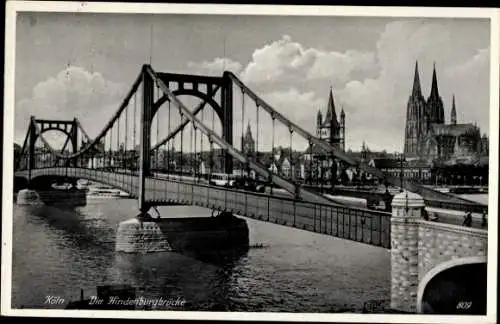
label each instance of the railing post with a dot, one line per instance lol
(246, 203)
(268, 201)
(337, 218)
(294, 212)
(314, 219)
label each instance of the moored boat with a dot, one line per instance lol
(105, 192)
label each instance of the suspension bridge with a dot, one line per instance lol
(176, 168)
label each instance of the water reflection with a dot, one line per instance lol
(79, 229)
(60, 251)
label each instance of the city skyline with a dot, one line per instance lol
(283, 60)
(328, 161)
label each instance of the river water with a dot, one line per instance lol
(57, 252)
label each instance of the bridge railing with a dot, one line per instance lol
(473, 208)
(361, 225)
(357, 224)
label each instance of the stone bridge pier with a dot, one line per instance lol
(435, 267)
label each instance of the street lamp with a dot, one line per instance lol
(401, 158)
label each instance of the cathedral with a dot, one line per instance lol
(247, 142)
(427, 136)
(331, 129)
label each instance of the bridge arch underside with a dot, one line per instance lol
(455, 287)
(58, 129)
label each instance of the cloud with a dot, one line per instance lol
(472, 95)
(216, 66)
(288, 62)
(372, 87)
(73, 92)
(300, 107)
(381, 101)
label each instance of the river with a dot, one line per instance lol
(57, 252)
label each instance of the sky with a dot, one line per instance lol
(82, 65)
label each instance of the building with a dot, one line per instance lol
(433, 148)
(316, 165)
(247, 142)
(329, 128)
(429, 138)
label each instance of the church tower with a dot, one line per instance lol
(319, 121)
(247, 142)
(330, 129)
(453, 112)
(435, 109)
(331, 121)
(415, 111)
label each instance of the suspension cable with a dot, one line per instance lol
(310, 162)
(135, 122)
(195, 156)
(118, 156)
(243, 132)
(170, 144)
(242, 118)
(111, 145)
(201, 140)
(154, 155)
(191, 150)
(157, 128)
(182, 145)
(125, 164)
(272, 157)
(213, 130)
(211, 161)
(257, 139)
(291, 156)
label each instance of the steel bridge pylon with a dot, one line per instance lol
(202, 87)
(36, 128)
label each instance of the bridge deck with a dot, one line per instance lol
(361, 225)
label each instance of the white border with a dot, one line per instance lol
(52, 6)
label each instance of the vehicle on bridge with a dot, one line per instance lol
(222, 179)
(249, 184)
(103, 191)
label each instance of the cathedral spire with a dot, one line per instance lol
(249, 130)
(319, 118)
(434, 89)
(453, 112)
(331, 115)
(435, 108)
(417, 91)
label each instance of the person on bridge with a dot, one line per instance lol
(484, 218)
(425, 215)
(467, 219)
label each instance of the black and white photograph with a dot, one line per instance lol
(313, 163)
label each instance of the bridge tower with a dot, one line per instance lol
(202, 87)
(406, 212)
(36, 128)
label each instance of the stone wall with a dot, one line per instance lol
(419, 249)
(406, 212)
(440, 243)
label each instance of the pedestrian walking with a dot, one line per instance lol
(484, 218)
(467, 219)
